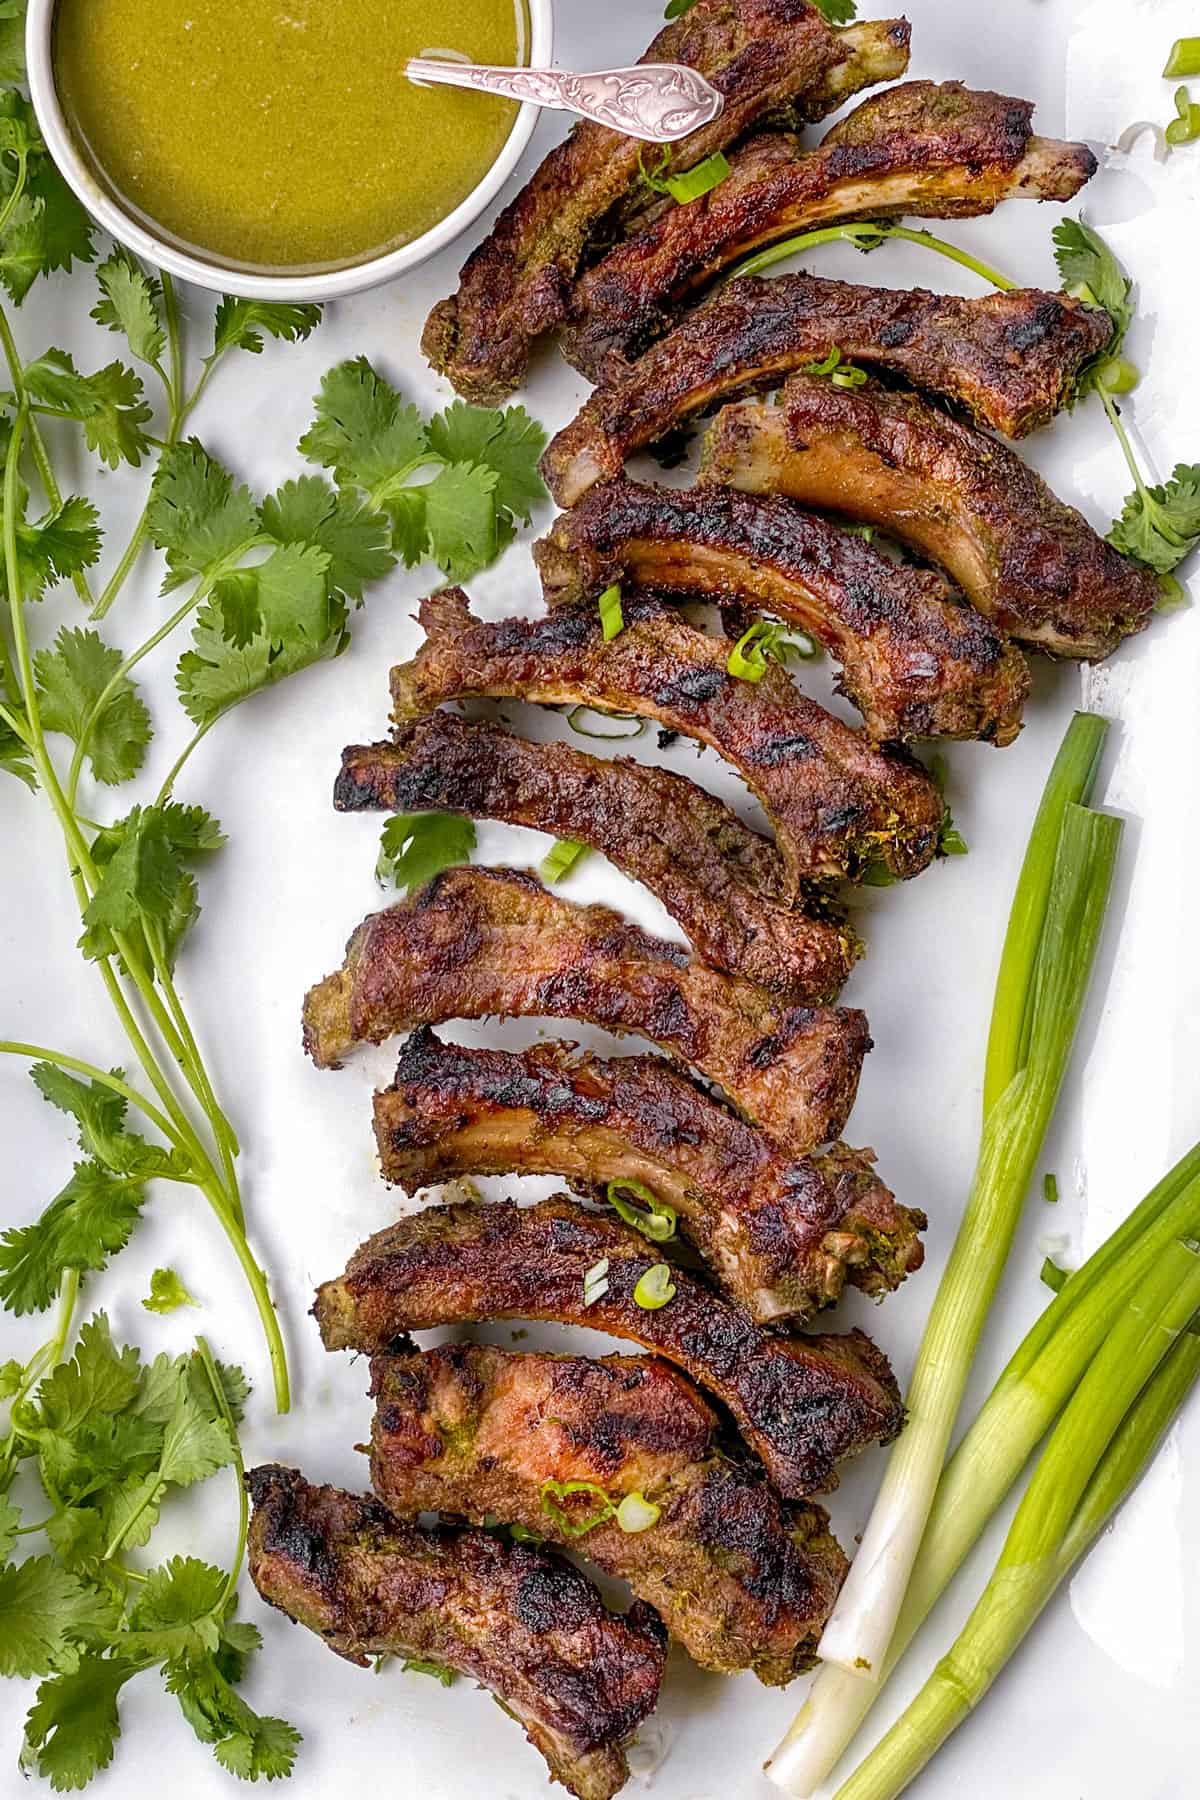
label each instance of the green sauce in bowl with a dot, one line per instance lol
(282, 134)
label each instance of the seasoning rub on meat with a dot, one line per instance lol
(839, 805)
(781, 1233)
(521, 1622)
(741, 1579)
(803, 1403)
(477, 941)
(720, 880)
(915, 661)
(1021, 555)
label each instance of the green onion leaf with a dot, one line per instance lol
(595, 1282)
(747, 661)
(1053, 1276)
(655, 1288)
(636, 1513)
(657, 1223)
(612, 619)
(843, 374)
(639, 725)
(562, 859)
(555, 1491)
(699, 180)
(1050, 1188)
(1183, 60)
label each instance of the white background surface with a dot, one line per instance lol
(1101, 1704)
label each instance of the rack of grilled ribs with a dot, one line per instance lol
(915, 661)
(521, 1622)
(764, 56)
(1010, 360)
(740, 1579)
(1028, 561)
(839, 805)
(924, 148)
(803, 1403)
(476, 942)
(781, 1233)
(720, 880)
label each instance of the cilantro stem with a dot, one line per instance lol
(227, 1143)
(239, 1469)
(39, 1053)
(867, 235)
(41, 456)
(172, 776)
(47, 1357)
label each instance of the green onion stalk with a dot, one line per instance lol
(1106, 1437)
(1053, 934)
(1038, 1381)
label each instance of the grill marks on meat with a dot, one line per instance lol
(781, 1233)
(477, 941)
(763, 55)
(803, 1403)
(838, 805)
(923, 149)
(522, 1623)
(915, 661)
(720, 880)
(1010, 360)
(741, 1580)
(1028, 561)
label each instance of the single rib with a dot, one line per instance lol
(740, 1579)
(521, 1622)
(915, 661)
(803, 1403)
(720, 880)
(838, 804)
(1028, 561)
(782, 1234)
(1010, 360)
(922, 149)
(762, 55)
(476, 941)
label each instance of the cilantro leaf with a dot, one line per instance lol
(416, 846)
(12, 40)
(98, 1379)
(244, 1743)
(81, 1228)
(462, 526)
(194, 1443)
(131, 301)
(144, 878)
(239, 324)
(10, 1520)
(62, 543)
(71, 678)
(167, 1292)
(508, 442)
(234, 1386)
(1161, 525)
(14, 756)
(98, 1110)
(1089, 270)
(175, 1610)
(72, 1727)
(364, 432)
(64, 226)
(309, 511)
(108, 404)
(197, 515)
(45, 1612)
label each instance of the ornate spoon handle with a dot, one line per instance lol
(659, 102)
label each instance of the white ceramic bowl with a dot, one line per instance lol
(329, 285)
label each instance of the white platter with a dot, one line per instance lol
(1101, 1703)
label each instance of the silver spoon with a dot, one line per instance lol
(658, 102)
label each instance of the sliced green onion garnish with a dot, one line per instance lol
(748, 658)
(1050, 1188)
(691, 183)
(595, 1282)
(849, 377)
(1054, 1277)
(636, 1513)
(655, 1288)
(612, 619)
(554, 1491)
(561, 859)
(639, 725)
(657, 1223)
(1118, 375)
(1186, 128)
(826, 366)
(843, 374)
(1183, 60)
(416, 1665)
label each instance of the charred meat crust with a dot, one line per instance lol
(915, 661)
(1028, 561)
(720, 880)
(742, 1580)
(782, 1234)
(477, 941)
(521, 1622)
(1010, 360)
(838, 804)
(763, 55)
(925, 149)
(803, 1403)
